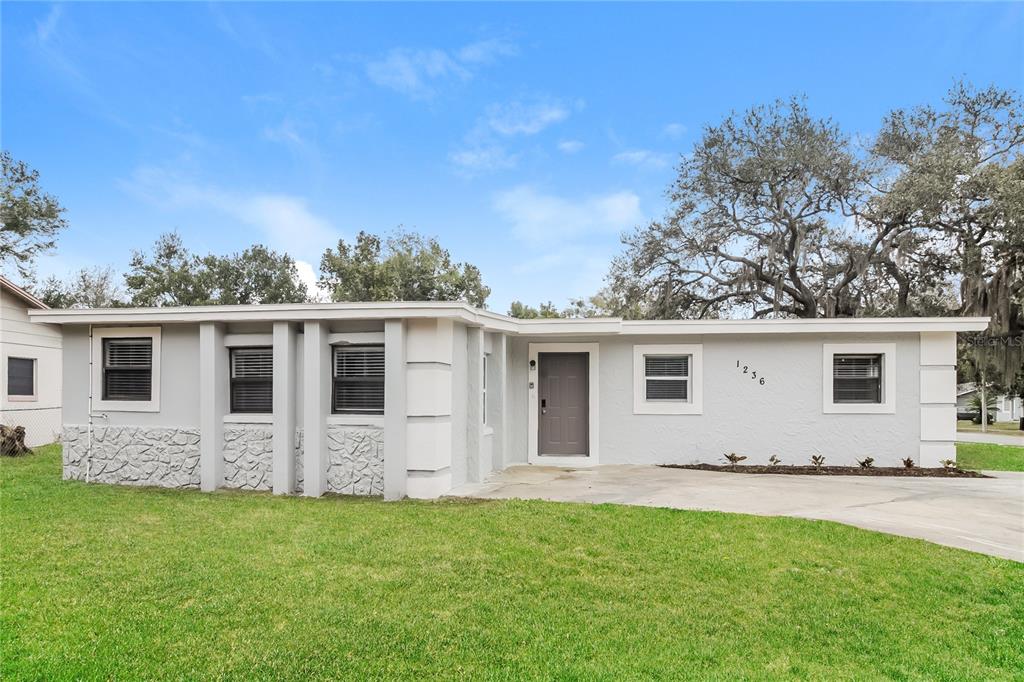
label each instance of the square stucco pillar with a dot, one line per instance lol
(284, 408)
(938, 398)
(474, 404)
(213, 404)
(497, 399)
(316, 395)
(395, 436)
(429, 432)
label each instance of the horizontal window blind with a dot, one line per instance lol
(358, 379)
(127, 369)
(667, 365)
(252, 380)
(667, 377)
(857, 378)
(21, 376)
(659, 389)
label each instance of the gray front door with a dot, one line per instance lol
(564, 403)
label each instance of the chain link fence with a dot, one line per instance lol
(42, 425)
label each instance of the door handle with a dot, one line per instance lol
(543, 405)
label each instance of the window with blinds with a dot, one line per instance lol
(252, 380)
(857, 378)
(667, 377)
(127, 369)
(21, 377)
(358, 380)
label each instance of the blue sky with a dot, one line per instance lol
(526, 137)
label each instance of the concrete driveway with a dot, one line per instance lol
(979, 514)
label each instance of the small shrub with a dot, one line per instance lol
(948, 463)
(734, 459)
(818, 461)
(908, 462)
(774, 460)
(866, 463)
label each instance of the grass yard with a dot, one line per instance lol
(981, 456)
(1002, 428)
(119, 583)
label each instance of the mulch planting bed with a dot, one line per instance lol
(939, 472)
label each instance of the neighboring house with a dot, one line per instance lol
(417, 398)
(30, 355)
(1007, 408)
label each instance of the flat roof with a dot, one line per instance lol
(491, 321)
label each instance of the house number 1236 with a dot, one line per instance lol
(753, 373)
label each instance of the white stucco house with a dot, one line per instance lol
(30, 355)
(1008, 408)
(399, 399)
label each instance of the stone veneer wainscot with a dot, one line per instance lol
(134, 455)
(355, 460)
(248, 456)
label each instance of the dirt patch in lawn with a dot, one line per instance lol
(939, 472)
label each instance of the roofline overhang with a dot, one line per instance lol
(490, 321)
(32, 301)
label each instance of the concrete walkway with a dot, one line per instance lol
(997, 438)
(979, 514)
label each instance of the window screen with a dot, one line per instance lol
(21, 373)
(857, 378)
(127, 369)
(252, 380)
(667, 377)
(358, 380)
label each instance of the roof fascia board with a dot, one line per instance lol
(501, 323)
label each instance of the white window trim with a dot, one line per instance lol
(355, 338)
(249, 418)
(533, 371)
(98, 403)
(695, 403)
(355, 420)
(35, 380)
(888, 353)
(251, 340)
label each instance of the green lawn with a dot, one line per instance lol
(108, 582)
(989, 456)
(1002, 428)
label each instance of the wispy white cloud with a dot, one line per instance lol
(570, 146)
(417, 73)
(539, 217)
(525, 118)
(285, 220)
(643, 158)
(674, 131)
(412, 72)
(476, 159)
(285, 132)
(48, 24)
(487, 51)
(484, 147)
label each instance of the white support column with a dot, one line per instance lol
(284, 408)
(316, 393)
(395, 426)
(938, 398)
(213, 404)
(497, 398)
(473, 398)
(429, 346)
